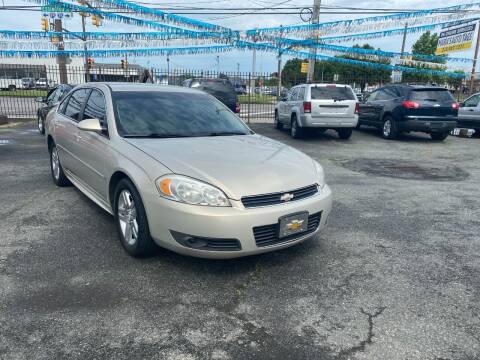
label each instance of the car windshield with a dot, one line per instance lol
(331, 93)
(173, 114)
(440, 95)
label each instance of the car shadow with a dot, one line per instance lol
(406, 137)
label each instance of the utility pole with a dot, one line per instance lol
(61, 60)
(313, 51)
(238, 68)
(218, 65)
(85, 52)
(279, 68)
(404, 39)
(474, 65)
(254, 64)
(168, 70)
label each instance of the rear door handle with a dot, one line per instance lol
(471, 109)
(78, 137)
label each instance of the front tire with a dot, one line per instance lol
(344, 134)
(131, 220)
(389, 128)
(276, 122)
(58, 175)
(41, 125)
(295, 130)
(440, 136)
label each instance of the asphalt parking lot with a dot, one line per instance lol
(395, 275)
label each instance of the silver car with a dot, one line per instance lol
(177, 168)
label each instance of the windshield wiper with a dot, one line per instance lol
(155, 136)
(226, 133)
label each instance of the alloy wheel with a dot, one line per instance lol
(55, 163)
(387, 128)
(127, 217)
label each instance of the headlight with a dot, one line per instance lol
(320, 174)
(190, 191)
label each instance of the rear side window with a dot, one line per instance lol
(75, 103)
(332, 93)
(431, 95)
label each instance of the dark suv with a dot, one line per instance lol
(403, 108)
(221, 88)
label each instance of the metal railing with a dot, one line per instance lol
(20, 85)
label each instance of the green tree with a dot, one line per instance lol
(326, 71)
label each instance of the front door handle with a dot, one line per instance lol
(78, 137)
(471, 109)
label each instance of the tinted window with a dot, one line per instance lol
(293, 94)
(472, 101)
(52, 95)
(301, 94)
(331, 93)
(174, 114)
(75, 103)
(440, 95)
(95, 108)
(387, 93)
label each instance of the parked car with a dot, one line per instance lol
(176, 168)
(28, 83)
(403, 108)
(318, 106)
(469, 114)
(8, 82)
(44, 84)
(221, 88)
(54, 96)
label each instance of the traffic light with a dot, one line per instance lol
(90, 62)
(45, 24)
(123, 64)
(96, 20)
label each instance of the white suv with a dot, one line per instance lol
(320, 106)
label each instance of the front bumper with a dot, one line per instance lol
(234, 222)
(307, 120)
(424, 124)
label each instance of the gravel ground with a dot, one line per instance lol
(395, 275)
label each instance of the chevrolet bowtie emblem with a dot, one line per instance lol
(286, 197)
(295, 224)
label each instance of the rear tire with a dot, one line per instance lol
(41, 125)
(476, 134)
(58, 175)
(389, 128)
(344, 134)
(276, 122)
(439, 136)
(131, 220)
(295, 130)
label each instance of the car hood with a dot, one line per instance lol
(239, 165)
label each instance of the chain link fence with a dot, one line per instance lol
(23, 86)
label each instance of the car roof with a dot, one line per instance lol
(125, 86)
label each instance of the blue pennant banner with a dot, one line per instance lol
(117, 52)
(33, 35)
(365, 52)
(428, 16)
(161, 16)
(307, 55)
(133, 21)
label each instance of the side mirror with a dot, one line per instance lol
(40, 99)
(92, 125)
(462, 104)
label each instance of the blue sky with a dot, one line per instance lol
(266, 62)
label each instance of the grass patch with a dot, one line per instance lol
(257, 99)
(24, 93)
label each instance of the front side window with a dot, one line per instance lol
(96, 108)
(293, 94)
(472, 101)
(75, 104)
(173, 114)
